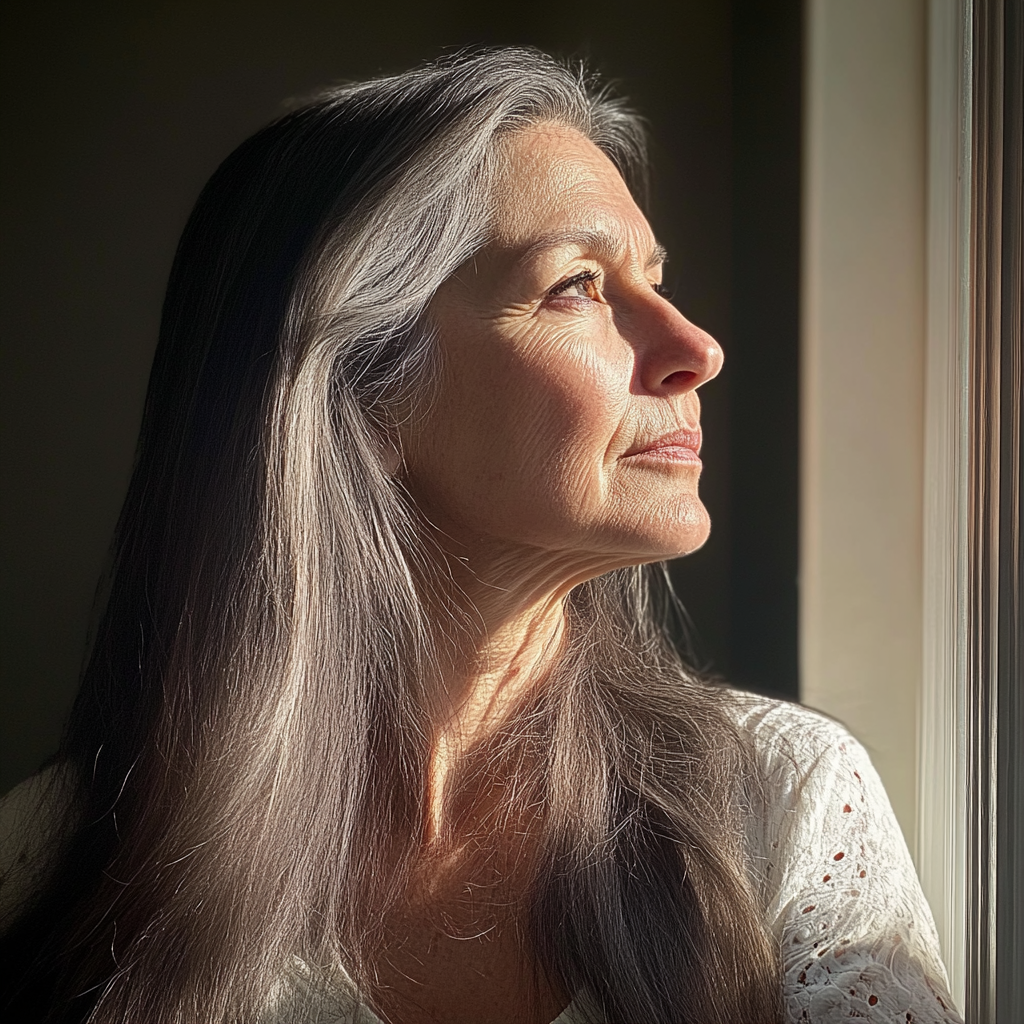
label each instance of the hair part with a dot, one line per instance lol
(248, 744)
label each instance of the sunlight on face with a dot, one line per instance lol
(567, 422)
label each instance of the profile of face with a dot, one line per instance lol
(565, 429)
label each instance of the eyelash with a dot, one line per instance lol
(580, 278)
(592, 275)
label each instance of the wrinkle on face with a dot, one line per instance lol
(519, 461)
(541, 404)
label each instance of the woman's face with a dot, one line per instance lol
(566, 427)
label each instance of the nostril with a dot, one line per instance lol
(679, 379)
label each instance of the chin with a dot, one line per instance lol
(685, 531)
(671, 537)
(682, 547)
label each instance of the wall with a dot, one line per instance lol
(862, 411)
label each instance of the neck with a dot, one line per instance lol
(511, 610)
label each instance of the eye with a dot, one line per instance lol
(663, 290)
(580, 286)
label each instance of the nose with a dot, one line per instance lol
(672, 354)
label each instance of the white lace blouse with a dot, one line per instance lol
(826, 856)
(840, 891)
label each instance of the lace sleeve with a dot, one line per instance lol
(840, 890)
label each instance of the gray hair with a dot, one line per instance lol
(249, 736)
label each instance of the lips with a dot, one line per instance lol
(678, 446)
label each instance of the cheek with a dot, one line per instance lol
(582, 401)
(561, 407)
(520, 432)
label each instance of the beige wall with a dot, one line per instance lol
(863, 377)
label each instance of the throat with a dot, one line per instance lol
(459, 949)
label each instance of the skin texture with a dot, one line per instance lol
(522, 461)
(533, 462)
(543, 394)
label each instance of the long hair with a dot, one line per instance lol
(248, 751)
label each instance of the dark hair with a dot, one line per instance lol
(247, 749)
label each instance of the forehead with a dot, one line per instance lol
(555, 184)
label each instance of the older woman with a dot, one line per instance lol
(379, 713)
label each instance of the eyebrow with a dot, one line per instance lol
(601, 242)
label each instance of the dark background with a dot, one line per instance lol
(114, 115)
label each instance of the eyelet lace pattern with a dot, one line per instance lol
(840, 890)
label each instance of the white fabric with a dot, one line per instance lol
(840, 890)
(829, 862)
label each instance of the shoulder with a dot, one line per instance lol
(31, 820)
(815, 803)
(786, 735)
(811, 781)
(838, 886)
(809, 768)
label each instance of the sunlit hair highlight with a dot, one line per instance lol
(249, 744)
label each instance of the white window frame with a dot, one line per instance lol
(941, 852)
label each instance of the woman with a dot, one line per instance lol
(379, 712)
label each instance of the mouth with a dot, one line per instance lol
(678, 446)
